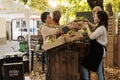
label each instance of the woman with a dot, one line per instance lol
(93, 61)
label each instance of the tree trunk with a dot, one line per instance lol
(93, 3)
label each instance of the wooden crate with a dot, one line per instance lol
(111, 31)
(73, 36)
(110, 55)
(109, 59)
(119, 25)
(118, 44)
(111, 17)
(63, 65)
(111, 39)
(110, 48)
(55, 43)
(111, 25)
(118, 51)
(118, 30)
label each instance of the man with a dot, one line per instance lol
(56, 16)
(49, 31)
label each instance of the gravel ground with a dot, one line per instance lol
(111, 73)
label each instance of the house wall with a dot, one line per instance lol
(2, 30)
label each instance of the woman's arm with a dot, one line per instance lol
(91, 24)
(88, 30)
(96, 33)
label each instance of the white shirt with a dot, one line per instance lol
(48, 32)
(100, 34)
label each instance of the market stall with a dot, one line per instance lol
(64, 60)
(65, 55)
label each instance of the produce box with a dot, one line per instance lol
(69, 37)
(53, 43)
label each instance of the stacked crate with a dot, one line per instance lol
(118, 43)
(109, 60)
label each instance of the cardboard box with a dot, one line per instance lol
(73, 36)
(55, 43)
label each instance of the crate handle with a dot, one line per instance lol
(72, 35)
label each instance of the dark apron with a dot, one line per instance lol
(93, 59)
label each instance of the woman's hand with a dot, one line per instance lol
(75, 25)
(86, 25)
(88, 29)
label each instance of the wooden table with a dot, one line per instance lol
(64, 60)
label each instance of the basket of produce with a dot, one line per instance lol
(72, 36)
(52, 43)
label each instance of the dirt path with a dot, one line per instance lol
(111, 73)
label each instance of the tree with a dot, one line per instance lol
(24, 1)
(93, 3)
(72, 6)
(41, 5)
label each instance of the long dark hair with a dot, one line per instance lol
(102, 15)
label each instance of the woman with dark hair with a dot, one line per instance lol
(98, 40)
(94, 11)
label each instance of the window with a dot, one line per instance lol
(17, 24)
(24, 24)
(38, 23)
